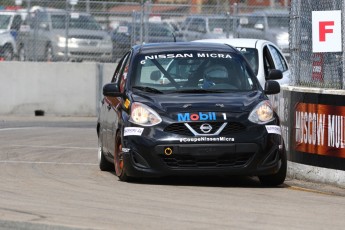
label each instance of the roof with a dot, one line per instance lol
(237, 42)
(129, 9)
(271, 12)
(183, 46)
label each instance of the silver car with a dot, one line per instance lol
(10, 22)
(271, 25)
(204, 27)
(44, 37)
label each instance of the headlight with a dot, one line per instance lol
(262, 113)
(283, 39)
(143, 115)
(62, 39)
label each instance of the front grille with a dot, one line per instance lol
(94, 37)
(86, 53)
(231, 160)
(181, 128)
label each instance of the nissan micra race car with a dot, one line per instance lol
(189, 109)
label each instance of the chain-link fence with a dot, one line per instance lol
(71, 30)
(322, 70)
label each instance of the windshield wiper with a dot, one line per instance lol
(197, 91)
(148, 89)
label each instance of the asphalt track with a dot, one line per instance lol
(50, 180)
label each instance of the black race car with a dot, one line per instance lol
(189, 109)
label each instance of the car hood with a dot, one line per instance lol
(238, 102)
(4, 31)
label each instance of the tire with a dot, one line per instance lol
(103, 163)
(49, 53)
(279, 177)
(120, 167)
(8, 53)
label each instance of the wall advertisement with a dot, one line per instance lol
(317, 130)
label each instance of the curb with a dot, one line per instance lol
(316, 174)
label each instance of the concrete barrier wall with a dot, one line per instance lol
(68, 89)
(312, 122)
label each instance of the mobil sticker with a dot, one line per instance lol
(199, 116)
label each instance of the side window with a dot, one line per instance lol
(268, 61)
(198, 25)
(278, 59)
(118, 69)
(17, 21)
(185, 23)
(123, 73)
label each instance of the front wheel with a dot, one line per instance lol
(8, 53)
(279, 177)
(120, 167)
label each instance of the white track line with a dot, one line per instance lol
(33, 127)
(53, 147)
(19, 128)
(45, 162)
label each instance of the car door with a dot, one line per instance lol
(274, 59)
(113, 105)
(280, 63)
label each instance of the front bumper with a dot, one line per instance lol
(156, 154)
(96, 53)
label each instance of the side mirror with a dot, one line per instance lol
(155, 75)
(272, 87)
(274, 74)
(111, 90)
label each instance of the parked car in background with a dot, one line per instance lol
(51, 36)
(262, 55)
(203, 27)
(128, 34)
(10, 22)
(271, 25)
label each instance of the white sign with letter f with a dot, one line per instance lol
(326, 31)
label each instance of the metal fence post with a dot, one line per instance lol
(99, 80)
(66, 31)
(343, 41)
(295, 27)
(236, 20)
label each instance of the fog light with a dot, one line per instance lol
(168, 151)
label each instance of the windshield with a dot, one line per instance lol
(75, 21)
(220, 25)
(252, 57)
(154, 29)
(197, 72)
(272, 21)
(278, 21)
(4, 21)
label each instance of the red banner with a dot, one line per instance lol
(319, 129)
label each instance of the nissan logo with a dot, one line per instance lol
(206, 128)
